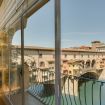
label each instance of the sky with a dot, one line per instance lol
(82, 21)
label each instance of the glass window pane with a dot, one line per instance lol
(39, 54)
(15, 70)
(83, 41)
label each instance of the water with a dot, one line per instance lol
(85, 96)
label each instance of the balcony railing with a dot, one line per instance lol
(75, 91)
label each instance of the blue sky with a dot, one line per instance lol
(82, 22)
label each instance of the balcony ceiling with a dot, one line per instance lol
(10, 16)
(1, 2)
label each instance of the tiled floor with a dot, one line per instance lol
(29, 100)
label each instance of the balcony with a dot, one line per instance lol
(56, 73)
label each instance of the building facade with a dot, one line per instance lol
(73, 60)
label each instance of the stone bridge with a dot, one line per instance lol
(92, 71)
(82, 76)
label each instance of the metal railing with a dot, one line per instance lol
(75, 90)
(42, 87)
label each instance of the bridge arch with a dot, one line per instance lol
(83, 63)
(42, 64)
(90, 75)
(88, 63)
(93, 63)
(33, 63)
(86, 76)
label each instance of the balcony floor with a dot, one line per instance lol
(16, 99)
(1, 101)
(30, 100)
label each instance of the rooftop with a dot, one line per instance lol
(78, 49)
(96, 41)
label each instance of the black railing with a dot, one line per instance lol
(43, 88)
(75, 90)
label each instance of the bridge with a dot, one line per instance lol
(95, 71)
(45, 76)
(46, 79)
